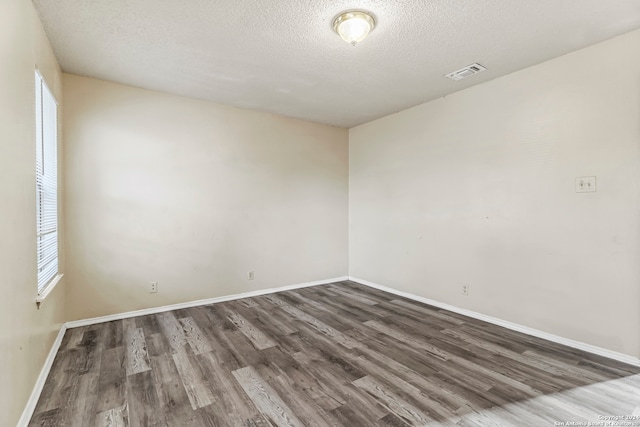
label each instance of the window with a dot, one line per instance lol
(46, 184)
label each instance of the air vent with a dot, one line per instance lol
(465, 72)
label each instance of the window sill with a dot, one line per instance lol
(47, 290)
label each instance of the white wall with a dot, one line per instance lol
(26, 333)
(478, 188)
(194, 195)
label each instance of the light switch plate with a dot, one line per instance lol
(586, 184)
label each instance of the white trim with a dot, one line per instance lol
(47, 289)
(27, 413)
(44, 373)
(154, 310)
(621, 357)
(46, 85)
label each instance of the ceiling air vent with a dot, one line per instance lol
(467, 71)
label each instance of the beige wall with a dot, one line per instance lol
(478, 188)
(194, 195)
(26, 333)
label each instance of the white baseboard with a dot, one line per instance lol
(44, 373)
(621, 357)
(27, 413)
(154, 310)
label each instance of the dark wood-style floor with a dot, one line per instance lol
(331, 355)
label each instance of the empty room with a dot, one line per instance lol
(320, 213)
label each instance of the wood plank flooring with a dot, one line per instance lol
(331, 355)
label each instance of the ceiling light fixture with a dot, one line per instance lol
(353, 26)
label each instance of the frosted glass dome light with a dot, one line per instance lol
(353, 26)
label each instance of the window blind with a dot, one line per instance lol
(46, 184)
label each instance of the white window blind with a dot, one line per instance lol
(46, 183)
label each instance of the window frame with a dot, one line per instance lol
(47, 190)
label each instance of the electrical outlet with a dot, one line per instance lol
(153, 287)
(465, 289)
(586, 184)
(250, 275)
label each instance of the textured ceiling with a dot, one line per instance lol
(282, 56)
